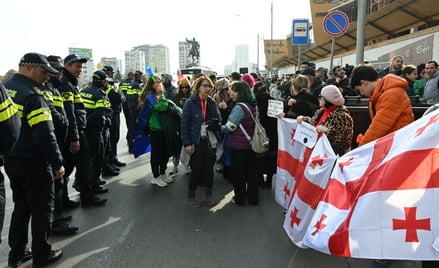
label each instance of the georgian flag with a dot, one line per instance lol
(303, 174)
(382, 198)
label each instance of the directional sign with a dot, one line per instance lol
(300, 32)
(336, 23)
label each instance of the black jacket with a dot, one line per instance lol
(97, 106)
(37, 138)
(10, 122)
(73, 105)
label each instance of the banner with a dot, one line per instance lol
(382, 198)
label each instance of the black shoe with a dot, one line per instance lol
(109, 173)
(54, 255)
(69, 204)
(102, 182)
(114, 168)
(62, 228)
(62, 217)
(99, 190)
(118, 163)
(27, 255)
(93, 200)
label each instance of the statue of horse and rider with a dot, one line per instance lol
(195, 50)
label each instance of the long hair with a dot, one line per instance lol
(147, 88)
(244, 92)
(300, 84)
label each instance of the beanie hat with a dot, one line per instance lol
(332, 94)
(184, 82)
(249, 79)
(222, 83)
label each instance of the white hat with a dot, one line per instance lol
(332, 94)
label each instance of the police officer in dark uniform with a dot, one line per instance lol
(76, 149)
(133, 106)
(33, 164)
(60, 122)
(10, 124)
(124, 87)
(116, 99)
(98, 110)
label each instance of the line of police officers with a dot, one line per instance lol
(61, 128)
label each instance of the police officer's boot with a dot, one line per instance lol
(191, 201)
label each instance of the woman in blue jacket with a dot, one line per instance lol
(199, 135)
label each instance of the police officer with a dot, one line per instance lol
(116, 99)
(53, 97)
(10, 124)
(38, 152)
(76, 149)
(133, 106)
(98, 110)
(124, 87)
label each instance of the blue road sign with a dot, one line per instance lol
(300, 32)
(336, 23)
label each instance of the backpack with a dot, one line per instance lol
(260, 141)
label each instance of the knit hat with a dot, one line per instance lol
(332, 94)
(249, 79)
(222, 83)
(184, 82)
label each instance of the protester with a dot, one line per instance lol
(302, 101)
(431, 89)
(160, 119)
(38, 152)
(199, 127)
(267, 162)
(333, 119)
(389, 105)
(396, 66)
(243, 159)
(409, 73)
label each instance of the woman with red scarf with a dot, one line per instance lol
(333, 119)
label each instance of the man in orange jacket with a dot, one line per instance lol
(389, 106)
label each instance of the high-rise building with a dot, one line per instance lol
(134, 61)
(155, 56)
(241, 57)
(113, 62)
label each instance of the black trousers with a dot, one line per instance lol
(126, 112)
(133, 113)
(114, 134)
(2, 202)
(81, 161)
(96, 146)
(159, 153)
(243, 176)
(201, 163)
(33, 196)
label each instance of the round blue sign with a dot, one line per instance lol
(336, 23)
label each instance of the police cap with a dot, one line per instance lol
(138, 73)
(107, 68)
(55, 61)
(73, 58)
(99, 76)
(37, 60)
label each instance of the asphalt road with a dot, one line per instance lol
(143, 225)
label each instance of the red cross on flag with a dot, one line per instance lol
(382, 198)
(302, 176)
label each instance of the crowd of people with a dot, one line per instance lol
(202, 123)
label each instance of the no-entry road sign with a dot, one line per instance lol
(335, 23)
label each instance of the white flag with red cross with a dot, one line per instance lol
(304, 173)
(382, 198)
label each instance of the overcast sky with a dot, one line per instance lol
(112, 27)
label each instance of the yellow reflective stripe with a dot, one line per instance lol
(108, 90)
(7, 109)
(89, 106)
(47, 95)
(78, 98)
(20, 110)
(38, 116)
(57, 101)
(103, 104)
(67, 96)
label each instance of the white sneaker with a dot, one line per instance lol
(166, 179)
(159, 182)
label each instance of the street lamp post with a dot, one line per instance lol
(271, 42)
